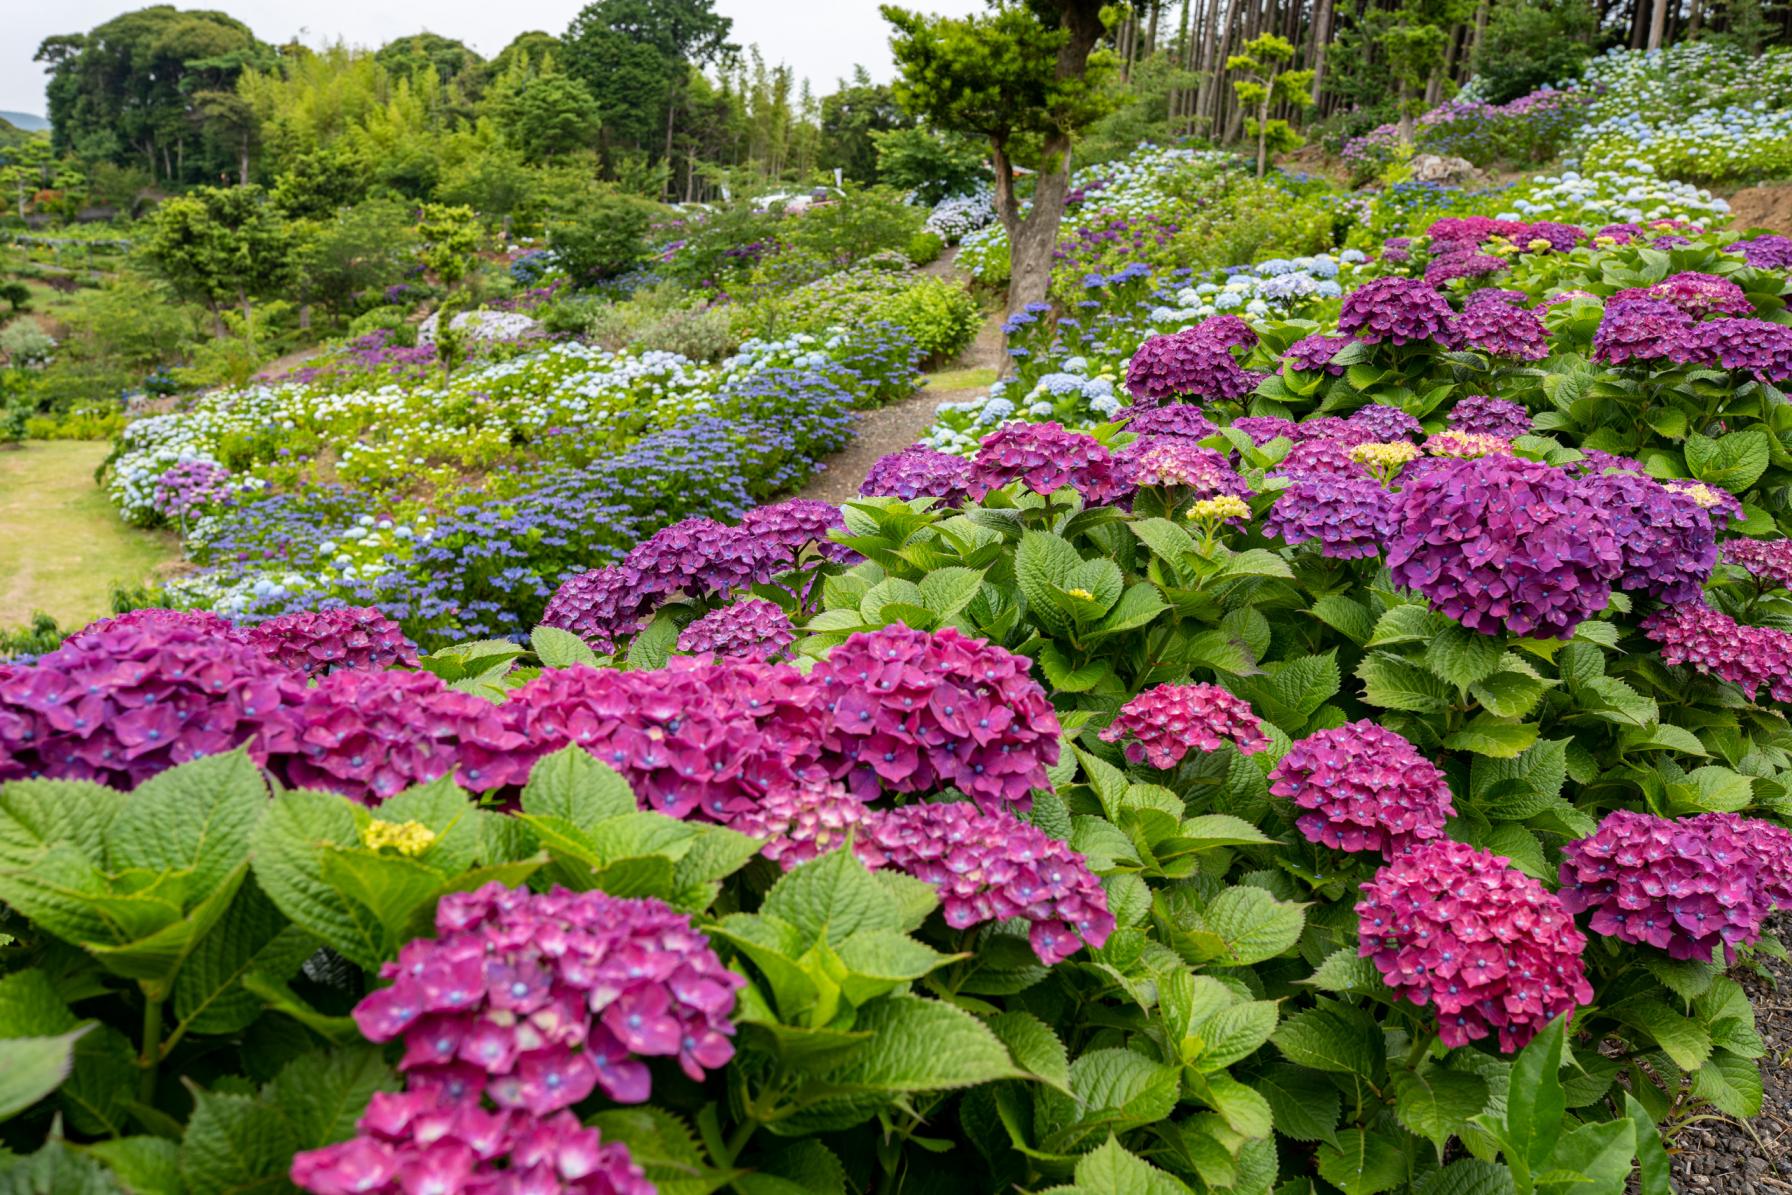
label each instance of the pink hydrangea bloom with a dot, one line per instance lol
(535, 1000)
(1699, 295)
(1382, 422)
(1751, 346)
(1264, 428)
(320, 641)
(1484, 415)
(1193, 363)
(1715, 644)
(1401, 310)
(1641, 330)
(1166, 722)
(1173, 419)
(751, 629)
(1177, 462)
(784, 530)
(913, 711)
(1045, 458)
(1461, 930)
(806, 820)
(1363, 788)
(991, 866)
(203, 621)
(1310, 354)
(1769, 560)
(1501, 329)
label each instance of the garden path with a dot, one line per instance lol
(62, 546)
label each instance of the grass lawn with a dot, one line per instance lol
(62, 547)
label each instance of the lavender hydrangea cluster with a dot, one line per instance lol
(919, 473)
(1313, 353)
(991, 866)
(913, 711)
(1713, 643)
(1383, 422)
(751, 629)
(535, 1000)
(1749, 346)
(1688, 886)
(1641, 330)
(189, 487)
(783, 531)
(1715, 501)
(1459, 929)
(1500, 328)
(1045, 458)
(1503, 544)
(1363, 788)
(1666, 543)
(1397, 310)
(1193, 363)
(1698, 295)
(1485, 415)
(1767, 560)
(1351, 517)
(319, 641)
(1766, 252)
(1324, 456)
(1264, 428)
(1175, 462)
(1166, 722)
(1173, 419)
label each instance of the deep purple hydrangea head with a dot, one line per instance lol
(189, 487)
(1046, 458)
(1719, 503)
(1311, 354)
(1561, 237)
(1768, 560)
(121, 701)
(1485, 415)
(991, 866)
(1715, 644)
(1361, 787)
(1667, 542)
(1180, 463)
(1382, 422)
(919, 473)
(1503, 544)
(535, 1000)
(1766, 252)
(914, 711)
(1751, 346)
(1687, 886)
(694, 738)
(1459, 929)
(1264, 428)
(783, 530)
(1166, 722)
(318, 641)
(808, 819)
(1641, 330)
(1501, 329)
(1401, 310)
(1351, 517)
(1173, 419)
(371, 735)
(1621, 234)
(751, 629)
(1193, 363)
(1594, 461)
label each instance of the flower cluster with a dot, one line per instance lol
(1501, 329)
(1686, 886)
(751, 629)
(807, 819)
(1193, 363)
(1351, 517)
(1364, 788)
(1504, 544)
(1715, 501)
(1484, 415)
(1459, 929)
(1383, 422)
(535, 1000)
(1715, 644)
(1313, 353)
(1641, 330)
(991, 866)
(1174, 419)
(1401, 310)
(1768, 560)
(1264, 428)
(1466, 446)
(1166, 722)
(783, 531)
(1178, 462)
(919, 473)
(1666, 540)
(1746, 345)
(1046, 458)
(1698, 295)
(189, 487)
(320, 641)
(1766, 252)
(912, 711)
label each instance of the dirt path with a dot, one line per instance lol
(62, 547)
(1767, 207)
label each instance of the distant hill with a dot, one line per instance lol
(25, 121)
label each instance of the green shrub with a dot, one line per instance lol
(931, 164)
(388, 319)
(81, 423)
(608, 239)
(943, 318)
(925, 247)
(856, 225)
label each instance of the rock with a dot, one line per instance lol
(1448, 172)
(484, 325)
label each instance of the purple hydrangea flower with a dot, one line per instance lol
(919, 473)
(1046, 458)
(1165, 722)
(1667, 542)
(1747, 345)
(784, 530)
(751, 629)
(1461, 930)
(1324, 456)
(1698, 295)
(318, 641)
(1769, 560)
(1715, 644)
(1264, 428)
(991, 866)
(1766, 252)
(1173, 419)
(1310, 354)
(806, 820)
(1351, 517)
(1504, 545)
(189, 487)
(1382, 422)
(1641, 330)
(1501, 329)
(1181, 463)
(1401, 310)
(1195, 362)
(1484, 415)
(1363, 788)
(1715, 501)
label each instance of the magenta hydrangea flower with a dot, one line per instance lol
(130, 697)
(692, 738)
(1698, 295)
(1621, 234)
(422, 1142)
(1046, 458)
(1459, 929)
(1401, 310)
(1264, 428)
(991, 866)
(1641, 330)
(371, 735)
(1166, 722)
(535, 1000)
(1501, 329)
(1310, 354)
(1382, 422)
(919, 473)
(1766, 252)
(1461, 263)
(1768, 560)
(1483, 414)
(1173, 419)
(1751, 346)
(913, 711)
(1504, 544)
(1351, 517)
(751, 629)
(1181, 463)
(318, 641)
(189, 487)
(1561, 237)
(1195, 362)
(1713, 643)
(1565, 296)
(808, 819)
(783, 530)
(203, 621)
(1667, 544)
(1686, 886)
(1325, 456)
(1364, 788)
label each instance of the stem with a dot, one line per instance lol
(737, 1141)
(1421, 1042)
(152, 1049)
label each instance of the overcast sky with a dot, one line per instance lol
(821, 39)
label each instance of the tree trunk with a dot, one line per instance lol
(1696, 20)
(1151, 29)
(1322, 34)
(1209, 71)
(1658, 23)
(1474, 52)
(243, 161)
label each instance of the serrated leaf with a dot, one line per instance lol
(197, 817)
(235, 1144)
(1470, 1176)
(252, 936)
(920, 1045)
(1361, 1163)
(1319, 1039)
(831, 897)
(1397, 684)
(1110, 1170)
(557, 648)
(322, 1094)
(32, 1067)
(1251, 926)
(1305, 1107)
(1035, 1047)
(1436, 1104)
(571, 784)
(1731, 1083)
(1462, 657)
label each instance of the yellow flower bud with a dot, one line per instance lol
(1224, 506)
(407, 838)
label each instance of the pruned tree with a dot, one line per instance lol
(1268, 82)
